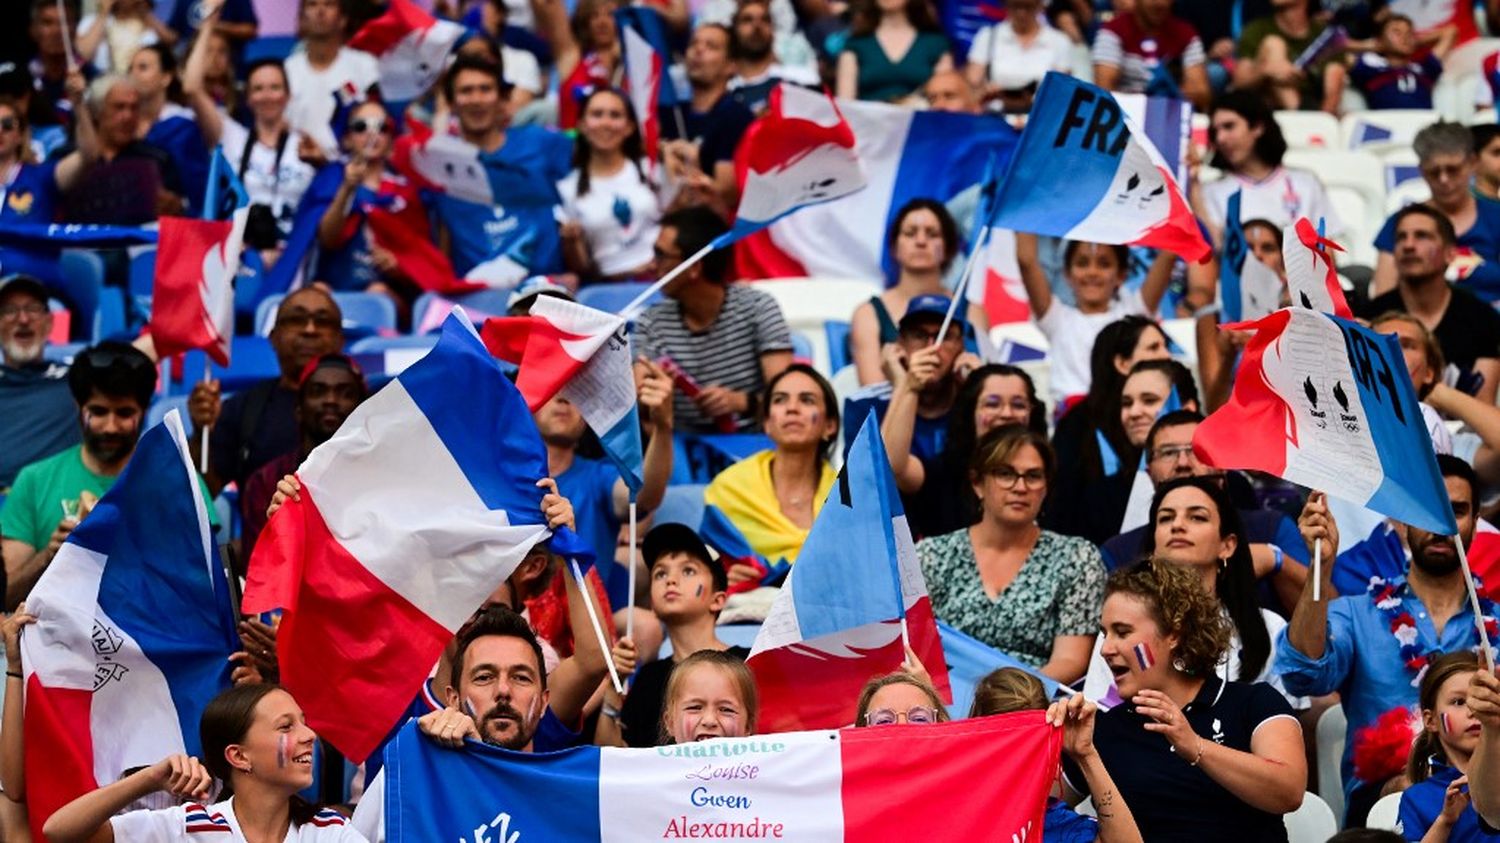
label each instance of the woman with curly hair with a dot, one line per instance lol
(1207, 759)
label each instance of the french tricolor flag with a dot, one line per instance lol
(416, 510)
(412, 48)
(569, 349)
(643, 45)
(1310, 274)
(192, 301)
(1326, 403)
(980, 779)
(133, 635)
(1085, 170)
(800, 153)
(838, 619)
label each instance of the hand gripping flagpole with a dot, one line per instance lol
(963, 285)
(588, 603)
(630, 311)
(1484, 638)
(630, 579)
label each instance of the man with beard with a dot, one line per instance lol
(758, 69)
(1372, 647)
(259, 424)
(330, 388)
(699, 140)
(38, 417)
(111, 384)
(497, 692)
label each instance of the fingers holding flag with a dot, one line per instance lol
(287, 488)
(449, 726)
(557, 509)
(1316, 524)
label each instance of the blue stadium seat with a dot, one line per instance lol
(364, 313)
(388, 356)
(478, 303)
(63, 353)
(838, 344)
(682, 504)
(163, 404)
(142, 284)
(802, 348)
(251, 360)
(612, 297)
(80, 283)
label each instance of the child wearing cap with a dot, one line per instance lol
(687, 593)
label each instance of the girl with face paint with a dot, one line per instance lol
(1436, 806)
(709, 695)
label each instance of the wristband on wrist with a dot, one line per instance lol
(1279, 556)
(15, 673)
(610, 711)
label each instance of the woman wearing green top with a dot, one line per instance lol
(894, 47)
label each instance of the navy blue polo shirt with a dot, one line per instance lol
(1172, 800)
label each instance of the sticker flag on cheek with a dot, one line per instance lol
(1144, 656)
(281, 741)
(1447, 728)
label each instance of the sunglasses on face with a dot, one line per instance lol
(9, 124)
(361, 125)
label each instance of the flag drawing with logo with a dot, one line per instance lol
(133, 634)
(838, 619)
(412, 514)
(192, 301)
(1326, 403)
(411, 46)
(568, 349)
(895, 783)
(1310, 275)
(1085, 170)
(801, 154)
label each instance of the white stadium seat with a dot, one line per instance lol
(1310, 129)
(1405, 194)
(1359, 171)
(1385, 813)
(1453, 96)
(1482, 117)
(1330, 735)
(1313, 822)
(807, 303)
(1389, 127)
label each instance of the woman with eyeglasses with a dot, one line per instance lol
(1207, 759)
(935, 491)
(1023, 590)
(352, 256)
(923, 243)
(1195, 526)
(264, 154)
(900, 697)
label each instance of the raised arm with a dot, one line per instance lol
(573, 681)
(846, 83)
(331, 226)
(1033, 278)
(908, 377)
(12, 747)
(1484, 767)
(70, 169)
(86, 819)
(1157, 279)
(654, 391)
(209, 121)
(1308, 630)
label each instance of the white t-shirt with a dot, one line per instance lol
(1014, 65)
(1099, 682)
(1070, 337)
(194, 822)
(121, 39)
(311, 107)
(1283, 196)
(277, 186)
(619, 216)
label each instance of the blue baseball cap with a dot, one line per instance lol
(928, 306)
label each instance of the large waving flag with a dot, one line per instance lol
(970, 660)
(800, 153)
(569, 349)
(647, 57)
(225, 193)
(982, 779)
(838, 619)
(410, 516)
(133, 634)
(1085, 170)
(411, 46)
(1248, 289)
(1310, 275)
(1326, 403)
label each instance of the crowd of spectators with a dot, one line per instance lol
(1072, 527)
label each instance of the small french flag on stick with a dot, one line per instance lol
(1144, 656)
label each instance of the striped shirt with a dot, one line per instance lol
(727, 354)
(1142, 56)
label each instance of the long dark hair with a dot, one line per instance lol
(168, 60)
(830, 402)
(1427, 746)
(963, 437)
(1236, 578)
(633, 147)
(946, 225)
(1270, 147)
(867, 16)
(1101, 406)
(225, 721)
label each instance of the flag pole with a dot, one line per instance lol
(1317, 570)
(588, 603)
(630, 311)
(1484, 638)
(62, 18)
(630, 578)
(203, 434)
(963, 284)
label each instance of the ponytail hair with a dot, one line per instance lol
(1428, 746)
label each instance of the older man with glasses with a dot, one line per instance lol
(1280, 557)
(38, 417)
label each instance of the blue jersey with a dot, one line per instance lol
(32, 195)
(1389, 86)
(176, 132)
(523, 175)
